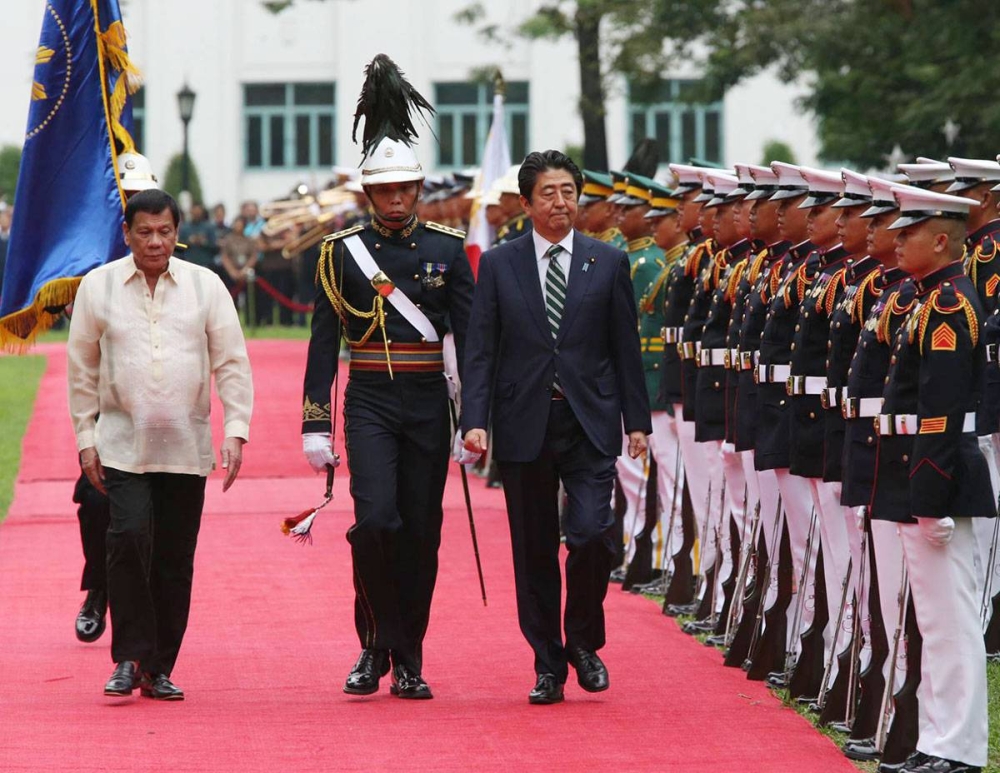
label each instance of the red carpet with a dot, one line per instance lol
(271, 640)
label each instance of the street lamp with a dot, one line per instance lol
(185, 103)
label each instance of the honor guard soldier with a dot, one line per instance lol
(392, 288)
(646, 262)
(928, 174)
(664, 444)
(756, 288)
(681, 355)
(517, 222)
(933, 480)
(974, 179)
(878, 305)
(596, 216)
(710, 402)
(822, 282)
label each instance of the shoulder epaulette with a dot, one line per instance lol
(757, 266)
(947, 299)
(713, 277)
(346, 232)
(694, 257)
(432, 226)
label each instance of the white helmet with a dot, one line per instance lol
(136, 173)
(391, 162)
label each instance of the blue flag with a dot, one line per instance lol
(68, 204)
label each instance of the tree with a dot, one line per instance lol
(10, 164)
(172, 178)
(881, 72)
(776, 150)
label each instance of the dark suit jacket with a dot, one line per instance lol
(511, 357)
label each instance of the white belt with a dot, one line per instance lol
(772, 374)
(712, 357)
(859, 407)
(805, 385)
(907, 423)
(671, 335)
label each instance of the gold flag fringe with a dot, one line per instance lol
(111, 43)
(19, 330)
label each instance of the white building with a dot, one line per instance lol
(276, 94)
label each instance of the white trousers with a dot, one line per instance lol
(988, 569)
(889, 566)
(703, 470)
(953, 716)
(663, 444)
(632, 474)
(736, 506)
(796, 500)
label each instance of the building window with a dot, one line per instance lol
(289, 125)
(464, 113)
(683, 129)
(139, 119)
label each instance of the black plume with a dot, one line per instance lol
(386, 102)
(644, 160)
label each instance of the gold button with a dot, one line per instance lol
(413, 245)
(793, 347)
(416, 276)
(378, 246)
(906, 458)
(812, 414)
(656, 366)
(716, 384)
(870, 440)
(837, 325)
(798, 328)
(781, 402)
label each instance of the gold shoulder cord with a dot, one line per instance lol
(328, 279)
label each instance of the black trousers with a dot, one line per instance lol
(531, 490)
(94, 515)
(397, 434)
(155, 518)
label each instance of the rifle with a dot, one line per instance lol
(872, 678)
(882, 731)
(729, 584)
(758, 664)
(800, 602)
(824, 686)
(747, 554)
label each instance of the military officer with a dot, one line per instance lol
(517, 223)
(932, 478)
(596, 216)
(392, 287)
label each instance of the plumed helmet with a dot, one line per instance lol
(386, 102)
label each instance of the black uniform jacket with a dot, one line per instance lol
(982, 258)
(427, 262)
(774, 429)
(825, 268)
(849, 315)
(883, 304)
(936, 373)
(757, 287)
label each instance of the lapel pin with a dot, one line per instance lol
(590, 260)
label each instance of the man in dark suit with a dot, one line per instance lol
(553, 358)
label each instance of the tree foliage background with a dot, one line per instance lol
(878, 73)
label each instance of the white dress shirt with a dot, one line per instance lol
(564, 258)
(144, 362)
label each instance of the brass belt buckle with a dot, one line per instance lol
(727, 359)
(756, 374)
(383, 284)
(790, 386)
(824, 399)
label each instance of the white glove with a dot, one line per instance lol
(460, 454)
(318, 448)
(937, 531)
(859, 518)
(452, 386)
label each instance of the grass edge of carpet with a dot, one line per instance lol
(20, 377)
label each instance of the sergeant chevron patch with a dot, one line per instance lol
(933, 426)
(943, 338)
(991, 285)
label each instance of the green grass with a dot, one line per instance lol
(19, 378)
(993, 687)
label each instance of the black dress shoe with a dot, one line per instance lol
(546, 690)
(372, 665)
(653, 588)
(409, 685)
(90, 622)
(123, 679)
(777, 679)
(699, 626)
(617, 575)
(903, 767)
(718, 640)
(676, 610)
(591, 673)
(940, 765)
(160, 688)
(863, 749)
